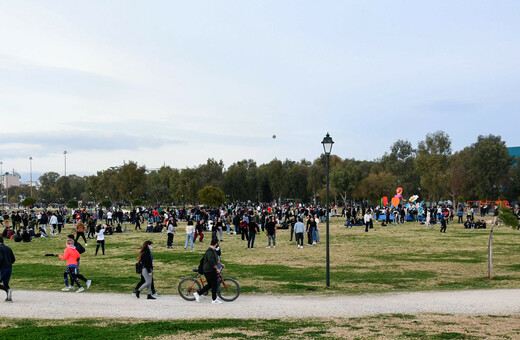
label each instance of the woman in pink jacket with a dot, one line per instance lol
(71, 255)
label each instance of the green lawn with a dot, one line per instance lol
(389, 326)
(402, 258)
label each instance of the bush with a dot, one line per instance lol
(137, 202)
(507, 217)
(106, 203)
(72, 204)
(29, 201)
(212, 196)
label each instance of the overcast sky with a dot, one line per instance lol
(177, 82)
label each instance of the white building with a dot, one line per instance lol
(10, 180)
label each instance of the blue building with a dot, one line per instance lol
(514, 151)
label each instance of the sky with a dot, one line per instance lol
(177, 82)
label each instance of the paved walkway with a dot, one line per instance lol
(51, 305)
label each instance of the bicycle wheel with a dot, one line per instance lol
(187, 287)
(229, 290)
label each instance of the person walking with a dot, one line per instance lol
(53, 221)
(443, 218)
(299, 230)
(100, 237)
(71, 255)
(253, 231)
(6, 267)
(211, 272)
(146, 258)
(271, 232)
(170, 232)
(80, 232)
(189, 234)
(199, 231)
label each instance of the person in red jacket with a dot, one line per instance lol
(71, 255)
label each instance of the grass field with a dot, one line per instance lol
(402, 326)
(403, 258)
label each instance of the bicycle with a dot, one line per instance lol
(228, 289)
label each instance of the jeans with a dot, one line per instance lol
(189, 239)
(251, 241)
(170, 240)
(271, 237)
(228, 226)
(314, 237)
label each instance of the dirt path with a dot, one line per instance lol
(51, 305)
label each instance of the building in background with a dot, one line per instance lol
(9, 180)
(514, 151)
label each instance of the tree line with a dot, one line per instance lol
(484, 170)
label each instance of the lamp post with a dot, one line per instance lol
(327, 148)
(30, 166)
(65, 156)
(7, 187)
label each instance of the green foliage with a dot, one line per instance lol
(72, 204)
(106, 203)
(212, 196)
(137, 202)
(29, 201)
(507, 217)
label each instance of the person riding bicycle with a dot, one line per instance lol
(211, 271)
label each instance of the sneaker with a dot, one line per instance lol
(216, 301)
(86, 244)
(298, 246)
(150, 297)
(9, 293)
(274, 246)
(155, 294)
(136, 293)
(268, 247)
(8, 300)
(65, 289)
(89, 282)
(197, 296)
(80, 290)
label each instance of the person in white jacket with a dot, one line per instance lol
(53, 222)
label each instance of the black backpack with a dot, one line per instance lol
(80, 248)
(201, 264)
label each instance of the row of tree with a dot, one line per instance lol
(483, 170)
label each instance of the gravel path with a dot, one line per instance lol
(57, 305)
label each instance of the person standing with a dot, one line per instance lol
(100, 237)
(244, 228)
(189, 234)
(170, 233)
(299, 230)
(6, 267)
(253, 230)
(54, 223)
(271, 232)
(146, 258)
(367, 218)
(211, 272)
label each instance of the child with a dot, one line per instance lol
(71, 255)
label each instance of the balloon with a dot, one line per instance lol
(385, 201)
(395, 201)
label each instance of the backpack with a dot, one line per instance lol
(80, 248)
(138, 267)
(201, 264)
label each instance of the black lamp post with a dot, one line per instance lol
(327, 148)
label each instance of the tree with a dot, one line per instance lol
(401, 163)
(277, 179)
(345, 177)
(131, 181)
(188, 185)
(212, 196)
(106, 203)
(433, 155)
(72, 204)
(47, 183)
(375, 186)
(235, 182)
(62, 188)
(29, 201)
(490, 164)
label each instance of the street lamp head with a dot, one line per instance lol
(327, 144)
(30, 158)
(65, 152)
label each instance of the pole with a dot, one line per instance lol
(328, 254)
(2, 184)
(65, 153)
(30, 162)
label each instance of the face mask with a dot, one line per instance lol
(151, 247)
(217, 249)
